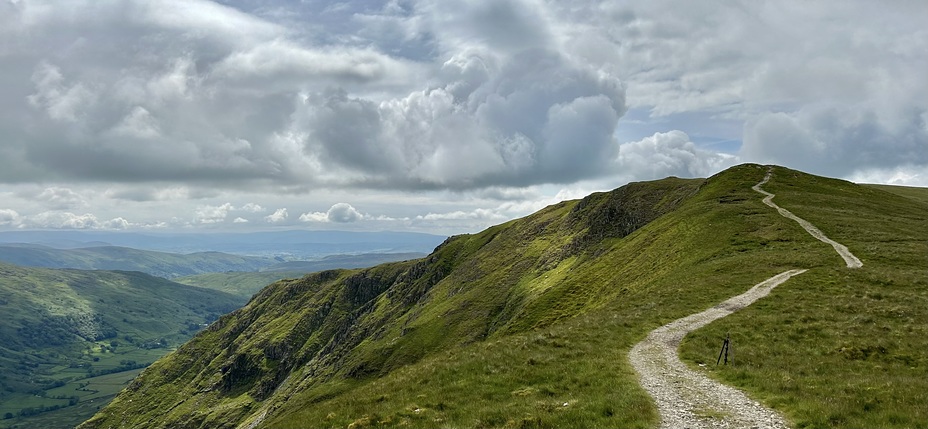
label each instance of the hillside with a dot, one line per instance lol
(160, 264)
(529, 323)
(64, 331)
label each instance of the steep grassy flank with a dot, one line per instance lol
(526, 324)
(351, 326)
(837, 347)
(717, 244)
(62, 327)
(167, 265)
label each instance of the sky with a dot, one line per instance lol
(435, 116)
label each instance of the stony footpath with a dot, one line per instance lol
(688, 399)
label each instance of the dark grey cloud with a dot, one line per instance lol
(838, 139)
(534, 117)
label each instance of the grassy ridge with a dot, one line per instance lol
(690, 259)
(526, 324)
(837, 347)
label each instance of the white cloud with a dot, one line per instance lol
(63, 220)
(240, 220)
(906, 175)
(343, 213)
(115, 223)
(278, 216)
(9, 217)
(338, 213)
(212, 214)
(61, 198)
(314, 217)
(669, 154)
(477, 214)
(150, 110)
(252, 208)
(59, 101)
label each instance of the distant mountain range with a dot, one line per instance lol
(288, 245)
(161, 264)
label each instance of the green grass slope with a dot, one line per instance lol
(64, 328)
(837, 347)
(526, 324)
(910, 192)
(161, 264)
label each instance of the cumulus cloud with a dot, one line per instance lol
(196, 103)
(477, 214)
(278, 216)
(338, 213)
(61, 198)
(9, 217)
(492, 101)
(63, 220)
(343, 213)
(212, 214)
(252, 208)
(314, 217)
(532, 117)
(670, 154)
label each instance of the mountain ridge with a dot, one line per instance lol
(519, 312)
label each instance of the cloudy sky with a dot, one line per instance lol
(432, 115)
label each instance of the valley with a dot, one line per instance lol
(76, 332)
(72, 338)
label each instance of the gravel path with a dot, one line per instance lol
(688, 399)
(849, 258)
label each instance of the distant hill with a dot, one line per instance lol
(343, 261)
(161, 264)
(291, 245)
(529, 323)
(247, 284)
(63, 330)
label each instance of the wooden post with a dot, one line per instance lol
(725, 345)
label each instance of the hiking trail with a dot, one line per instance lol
(688, 399)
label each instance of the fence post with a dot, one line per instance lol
(725, 346)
